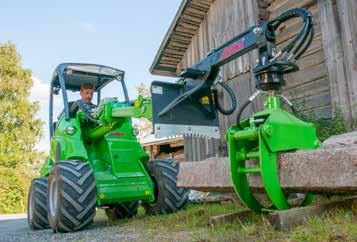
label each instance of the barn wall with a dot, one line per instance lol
(309, 87)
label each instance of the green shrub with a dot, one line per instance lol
(11, 192)
(325, 127)
(20, 130)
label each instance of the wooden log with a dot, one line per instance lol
(230, 217)
(327, 171)
(288, 218)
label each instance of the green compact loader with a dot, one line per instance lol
(96, 160)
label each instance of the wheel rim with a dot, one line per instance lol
(31, 204)
(53, 198)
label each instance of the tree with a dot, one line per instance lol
(143, 90)
(20, 130)
(143, 125)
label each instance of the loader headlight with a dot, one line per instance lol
(70, 130)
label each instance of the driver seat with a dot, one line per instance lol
(73, 108)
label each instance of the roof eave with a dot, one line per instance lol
(155, 66)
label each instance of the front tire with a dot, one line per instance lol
(71, 197)
(169, 198)
(122, 210)
(37, 204)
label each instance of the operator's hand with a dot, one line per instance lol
(88, 110)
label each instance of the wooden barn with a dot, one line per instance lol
(325, 85)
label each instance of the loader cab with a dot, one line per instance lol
(70, 77)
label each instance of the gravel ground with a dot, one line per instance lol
(15, 228)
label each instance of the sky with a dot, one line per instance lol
(121, 34)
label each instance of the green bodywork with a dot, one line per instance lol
(112, 150)
(262, 137)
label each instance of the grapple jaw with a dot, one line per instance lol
(183, 109)
(280, 132)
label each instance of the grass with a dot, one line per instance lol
(192, 225)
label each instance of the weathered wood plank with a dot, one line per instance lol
(348, 24)
(315, 101)
(334, 60)
(321, 112)
(307, 89)
(288, 218)
(309, 74)
(230, 217)
(278, 7)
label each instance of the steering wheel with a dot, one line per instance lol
(87, 110)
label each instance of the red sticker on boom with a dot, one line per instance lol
(232, 49)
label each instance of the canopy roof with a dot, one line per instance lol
(76, 74)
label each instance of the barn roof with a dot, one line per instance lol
(178, 37)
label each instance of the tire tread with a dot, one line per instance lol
(78, 198)
(170, 198)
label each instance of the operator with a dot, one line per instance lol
(86, 93)
(85, 103)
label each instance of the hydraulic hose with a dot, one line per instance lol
(298, 45)
(288, 103)
(233, 97)
(240, 111)
(311, 36)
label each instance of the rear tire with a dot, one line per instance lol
(37, 204)
(169, 198)
(122, 210)
(71, 197)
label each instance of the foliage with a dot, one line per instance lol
(143, 90)
(325, 127)
(19, 128)
(12, 192)
(143, 125)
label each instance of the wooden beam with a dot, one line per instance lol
(178, 44)
(193, 9)
(288, 218)
(185, 35)
(192, 19)
(188, 26)
(230, 217)
(188, 31)
(173, 53)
